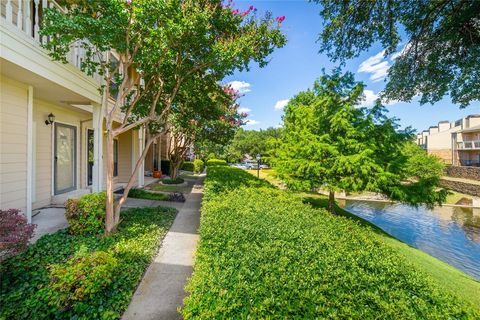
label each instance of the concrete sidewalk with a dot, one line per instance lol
(161, 290)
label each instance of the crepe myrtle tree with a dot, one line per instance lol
(440, 39)
(158, 45)
(328, 142)
(202, 116)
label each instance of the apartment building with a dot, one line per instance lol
(456, 143)
(51, 124)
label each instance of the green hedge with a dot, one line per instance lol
(263, 254)
(188, 166)
(64, 276)
(216, 162)
(198, 166)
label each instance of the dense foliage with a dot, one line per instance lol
(440, 38)
(264, 254)
(64, 276)
(249, 143)
(216, 162)
(188, 166)
(87, 214)
(328, 142)
(198, 166)
(15, 232)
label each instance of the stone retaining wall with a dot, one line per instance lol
(462, 187)
(463, 172)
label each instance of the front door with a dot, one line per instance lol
(90, 156)
(65, 160)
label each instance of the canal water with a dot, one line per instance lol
(451, 234)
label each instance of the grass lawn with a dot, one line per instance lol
(64, 276)
(451, 278)
(269, 175)
(170, 188)
(142, 194)
(454, 197)
(188, 175)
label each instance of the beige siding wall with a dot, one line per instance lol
(43, 146)
(444, 154)
(13, 144)
(125, 156)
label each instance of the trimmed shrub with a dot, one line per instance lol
(178, 180)
(165, 166)
(87, 214)
(80, 279)
(31, 289)
(15, 232)
(143, 194)
(216, 162)
(188, 166)
(198, 166)
(264, 254)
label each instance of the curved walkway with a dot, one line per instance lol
(161, 290)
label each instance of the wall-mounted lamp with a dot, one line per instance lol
(50, 119)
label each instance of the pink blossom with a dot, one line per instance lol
(280, 19)
(235, 12)
(248, 11)
(128, 2)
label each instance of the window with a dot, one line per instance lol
(115, 158)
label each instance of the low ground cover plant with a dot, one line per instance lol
(177, 180)
(143, 194)
(65, 276)
(265, 254)
(216, 162)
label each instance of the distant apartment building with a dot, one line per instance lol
(456, 143)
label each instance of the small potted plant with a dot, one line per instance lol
(157, 174)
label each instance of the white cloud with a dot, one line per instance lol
(243, 109)
(281, 104)
(370, 98)
(399, 53)
(376, 66)
(240, 86)
(251, 122)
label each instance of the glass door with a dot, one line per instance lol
(65, 163)
(89, 157)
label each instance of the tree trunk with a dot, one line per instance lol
(110, 214)
(175, 163)
(331, 202)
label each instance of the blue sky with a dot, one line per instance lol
(295, 67)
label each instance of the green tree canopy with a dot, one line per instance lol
(330, 143)
(253, 142)
(147, 51)
(441, 38)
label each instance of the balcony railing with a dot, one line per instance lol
(26, 16)
(469, 145)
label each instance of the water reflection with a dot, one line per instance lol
(451, 234)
